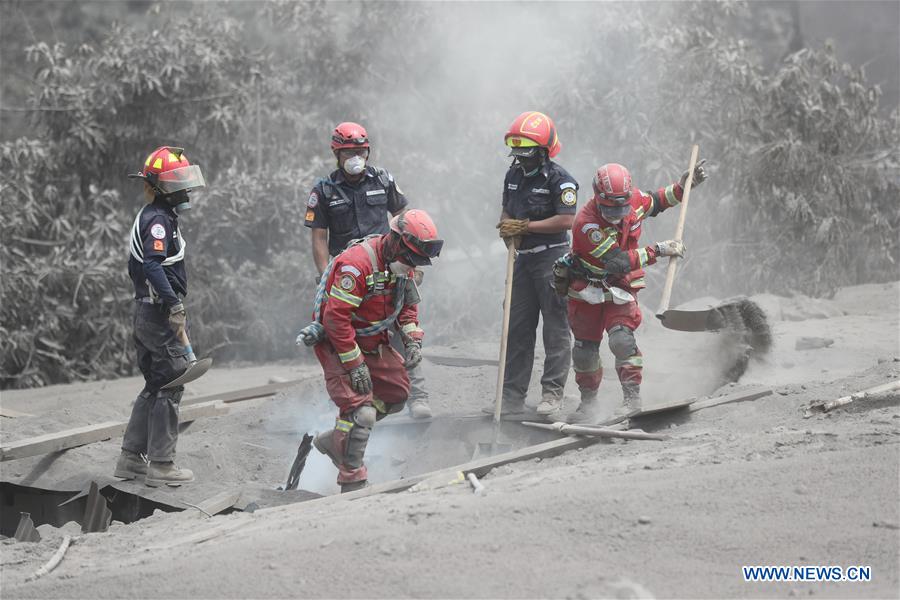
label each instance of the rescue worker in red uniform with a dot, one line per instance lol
(603, 274)
(371, 289)
(354, 201)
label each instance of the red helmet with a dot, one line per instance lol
(532, 130)
(167, 169)
(612, 190)
(349, 135)
(419, 235)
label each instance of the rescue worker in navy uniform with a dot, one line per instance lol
(352, 203)
(539, 199)
(157, 270)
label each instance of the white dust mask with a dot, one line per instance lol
(355, 165)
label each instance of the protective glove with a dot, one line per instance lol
(699, 175)
(670, 248)
(413, 354)
(512, 227)
(177, 317)
(561, 274)
(360, 380)
(311, 335)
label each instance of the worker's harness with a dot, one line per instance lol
(376, 285)
(598, 289)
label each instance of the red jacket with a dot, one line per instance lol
(603, 250)
(359, 296)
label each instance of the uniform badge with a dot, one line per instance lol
(596, 236)
(569, 198)
(347, 283)
(310, 215)
(313, 199)
(158, 245)
(158, 231)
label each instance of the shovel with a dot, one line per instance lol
(741, 315)
(495, 447)
(196, 368)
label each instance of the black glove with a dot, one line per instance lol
(699, 175)
(177, 317)
(360, 380)
(413, 354)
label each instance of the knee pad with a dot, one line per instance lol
(621, 342)
(364, 419)
(365, 416)
(585, 356)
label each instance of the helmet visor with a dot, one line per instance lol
(183, 178)
(425, 248)
(613, 213)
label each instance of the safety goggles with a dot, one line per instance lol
(183, 178)
(359, 141)
(615, 212)
(425, 248)
(616, 200)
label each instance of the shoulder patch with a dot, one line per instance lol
(158, 245)
(568, 185)
(158, 231)
(351, 269)
(588, 226)
(568, 197)
(596, 236)
(512, 186)
(310, 215)
(313, 199)
(347, 283)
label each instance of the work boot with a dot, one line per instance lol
(353, 486)
(130, 465)
(168, 473)
(550, 403)
(589, 409)
(509, 408)
(419, 409)
(631, 396)
(323, 443)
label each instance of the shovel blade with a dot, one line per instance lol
(194, 371)
(692, 320)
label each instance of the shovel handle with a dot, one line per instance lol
(504, 333)
(679, 231)
(183, 338)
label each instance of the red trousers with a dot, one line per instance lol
(588, 323)
(390, 381)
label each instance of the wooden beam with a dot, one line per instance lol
(260, 391)
(72, 438)
(743, 396)
(845, 400)
(567, 429)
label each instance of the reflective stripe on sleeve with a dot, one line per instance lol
(592, 268)
(603, 247)
(411, 328)
(350, 355)
(339, 294)
(642, 256)
(670, 195)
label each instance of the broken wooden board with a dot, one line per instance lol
(260, 391)
(461, 361)
(830, 405)
(216, 504)
(72, 438)
(742, 396)
(12, 414)
(660, 408)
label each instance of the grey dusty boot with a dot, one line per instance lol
(631, 397)
(324, 444)
(167, 473)
(418, 408)
(589, 410)
(353, 486)
(130, 465)
(509, 408)
(550, 404)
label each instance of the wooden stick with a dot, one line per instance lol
(845, 400)
(730, 398)
(504, 334)
(72, 438)
(679, 232)
(567, 429)
(260, 391)
(54, 560)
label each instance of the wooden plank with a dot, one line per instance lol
(260, 391)
(743, 396)
(12, 414)
(658, 408)
(216, 504)
(461, 361)
(79, 436)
